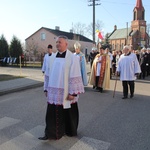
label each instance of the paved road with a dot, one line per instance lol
(106, 123)
(33, 77)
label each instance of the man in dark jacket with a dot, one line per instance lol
(143, 62)
(148, 62)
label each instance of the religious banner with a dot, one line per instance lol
(99, 34)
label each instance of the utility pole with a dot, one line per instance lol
(94, 4)
(127, 35)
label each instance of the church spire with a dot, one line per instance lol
(139, 24)
(139, 4)
(139, 11)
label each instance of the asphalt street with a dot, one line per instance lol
(106, 122)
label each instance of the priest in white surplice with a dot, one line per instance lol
(46, 59)
(63, 86)
(128, 68)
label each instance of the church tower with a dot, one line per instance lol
(136, 35)
(139, 23)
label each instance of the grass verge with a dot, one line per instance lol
(6, 77)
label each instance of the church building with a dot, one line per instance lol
(135, 35)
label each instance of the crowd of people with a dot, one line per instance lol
(65, 76)
(143, 57)
(137, 66)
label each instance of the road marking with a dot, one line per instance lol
(25, 141)
(29, 141)
(7, 121)
(86, 143)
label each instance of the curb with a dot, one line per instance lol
(25, 87)
(17, 89)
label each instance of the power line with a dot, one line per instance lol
(118, 3)
(115, 4)
(110, 14)
(123, 3)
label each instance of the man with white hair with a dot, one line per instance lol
(128, 68)
(77, 47)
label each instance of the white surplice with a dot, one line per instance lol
(45, 66)
(128, 66)
(64, 78)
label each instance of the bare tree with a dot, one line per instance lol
(87, 31)
(79, 28)
(32, 50)
(98, 26)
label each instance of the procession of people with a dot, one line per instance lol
(65, 76)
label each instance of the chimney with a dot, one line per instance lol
(115, 27)
(57, 28)
(71, 30)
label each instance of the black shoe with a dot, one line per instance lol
(71, 135)
(124, 97)
(101, 90)
(93, 87)
(43, 138)
(131, 96)
(97, 88)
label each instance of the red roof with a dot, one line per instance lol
(139, 4)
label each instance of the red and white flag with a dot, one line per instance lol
(99, 34)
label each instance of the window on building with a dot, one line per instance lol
(43, 36)
(117, 46)
(113, 46)
(142, 15)
(134, 16)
